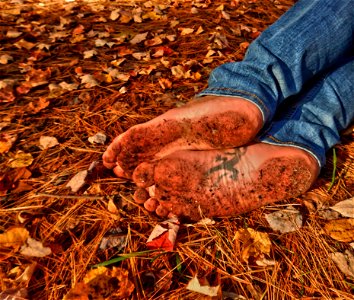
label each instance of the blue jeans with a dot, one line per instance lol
(300, 74)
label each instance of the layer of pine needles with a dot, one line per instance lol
(73, 224)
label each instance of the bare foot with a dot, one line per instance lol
(217, 183)
(209, 123)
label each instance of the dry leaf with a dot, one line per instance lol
(46, 142)
(100, 42)
(41, 104)
(5, 59)
(102, 283)
(77, 181)
(13, 34)
(34, 248)
(88, 80)
(115, 14)
(164, 235)
(185, 31)
(195, 286)
(89, 53)
(112, 208)
(341, 230)
(68, 86)
(98, 138)
(20, 159)
(14, 238)
(345, 208)
(139, 38)
(24, 44)
(253, 243)
(285, 220)
(6, 142)
(344, 261)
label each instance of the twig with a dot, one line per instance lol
(68, 196)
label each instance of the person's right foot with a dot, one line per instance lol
(209, 123)
(223, 183)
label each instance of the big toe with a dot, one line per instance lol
(110, 156)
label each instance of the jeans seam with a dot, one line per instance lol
(241, 92)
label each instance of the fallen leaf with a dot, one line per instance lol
(78, 29)
(344, 261)
(88, 80)
(98, 138)
(24, 44)
(36, 107)
(14, 238)
(252, 243)
(34, 248)
(13, 34)
(185, 31)
(46, 142)
(77, 181)
(112, 208)
(100, 42)
(89, 53)
(102, 283)
(345, 208)
(139, 38)
(6, 142)
(115, 14)
(285, 220)
(153, 42)
(164, 235)
(195, 286)
(20, 159)
(118, 241)
(68, 86)
(341, 230)
(5, 59)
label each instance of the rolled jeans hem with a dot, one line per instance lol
(276, 142)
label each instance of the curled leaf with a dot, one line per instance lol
(345, 208)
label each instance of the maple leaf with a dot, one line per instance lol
(164, 235)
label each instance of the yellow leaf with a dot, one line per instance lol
(21, 159)
(253, 243)
(14, 237)
(341, 230)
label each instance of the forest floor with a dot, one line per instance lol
(75, 74)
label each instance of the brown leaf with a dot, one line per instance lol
(341, 230)
(102, 283)
(14, 238)
(252, 243)
(6, 142)
(42, 103)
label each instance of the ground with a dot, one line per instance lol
(72, 69)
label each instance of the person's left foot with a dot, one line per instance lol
(218, 183)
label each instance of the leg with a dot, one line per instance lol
(282, 165)
(307, 40)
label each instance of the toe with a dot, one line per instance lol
(151, 204)
(143, 175)
(161, 211)
(120, 172)
(141, 195)
(111, 153)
